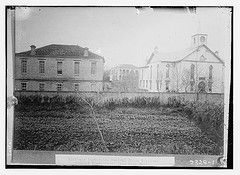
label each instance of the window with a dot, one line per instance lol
(24, 66)
(76, 68)
(167, 71)
(76, 87)
(167, 86)
(194, 40)
(146, 83)
(59, 67)
(210, 86)
(24, 86)
(120, 77)
(41, 86)
(59, 87)
(150, 84)
(41, 67)
(143, 83)
(210, 72)
(93, 68)
(157, 82)
(123, 71)
(192, 71)
(93, 87)
(150, 73)
(140, 83)
(191, 87)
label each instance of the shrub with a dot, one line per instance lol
(210, 118)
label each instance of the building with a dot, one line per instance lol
(196, 69)
(58, 68)
(121, 71)
(124, 77)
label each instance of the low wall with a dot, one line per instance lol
(164, 96)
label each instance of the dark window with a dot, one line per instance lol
(24, 66)
(76, 68)
(41, 86)
(76, 87)
(167, 86)
(210, 87)
(191, 87)
(192, 71)
(210, 72)
(93, 68)
(59, 86)
(41, 67)
(167, 70)
(59, 68)
(150, 84)
(24, 86)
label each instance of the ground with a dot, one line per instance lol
(125, 130)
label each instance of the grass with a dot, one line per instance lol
(65, 124)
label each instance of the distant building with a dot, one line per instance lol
(124, 77)
(197, 69)
(121, 71)
(58, 68)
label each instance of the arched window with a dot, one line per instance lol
(210, 72)
(167, 70)
(192, 71)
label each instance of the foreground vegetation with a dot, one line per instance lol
(66, 124)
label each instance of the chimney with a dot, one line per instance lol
(155, 49)
(216, 53)
(33, 47)
(85, 54)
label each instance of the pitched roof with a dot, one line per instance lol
(177, 56)
(58, 50)
(126, 66)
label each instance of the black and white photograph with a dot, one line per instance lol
(118, 86)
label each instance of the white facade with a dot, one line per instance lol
(120, 72)
(191, 70)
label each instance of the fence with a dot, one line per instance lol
(164, 96)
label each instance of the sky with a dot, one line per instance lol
(122, 35)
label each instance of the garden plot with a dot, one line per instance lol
(125, 130)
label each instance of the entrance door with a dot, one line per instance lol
(201, 87)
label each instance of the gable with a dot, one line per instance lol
(203, 54)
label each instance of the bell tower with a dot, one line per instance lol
(199, 39)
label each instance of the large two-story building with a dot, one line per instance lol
(58, 68)
(124, 77)
(196, 69)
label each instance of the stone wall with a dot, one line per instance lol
(164, 96)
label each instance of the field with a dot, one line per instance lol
(126, 128)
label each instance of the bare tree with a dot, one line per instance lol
(185, 79)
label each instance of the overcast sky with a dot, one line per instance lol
(123, 35)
